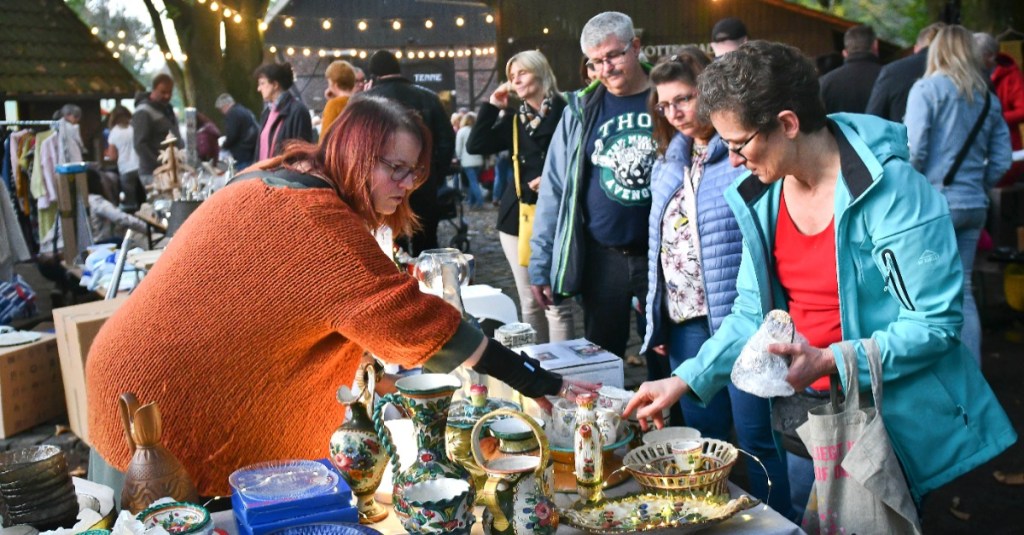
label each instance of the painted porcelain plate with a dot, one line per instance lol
(282, 480)
(654, 513)
(17, 338)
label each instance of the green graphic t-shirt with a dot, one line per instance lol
(618, 158)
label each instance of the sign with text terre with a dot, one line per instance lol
(436, 75)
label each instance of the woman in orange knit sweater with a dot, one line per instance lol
(266, 300)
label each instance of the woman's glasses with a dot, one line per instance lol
(679, 103)
(400, 172)
(736, 150)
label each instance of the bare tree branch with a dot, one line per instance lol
(161, 39)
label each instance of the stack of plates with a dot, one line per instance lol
(36, 488)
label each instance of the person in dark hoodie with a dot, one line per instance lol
(847, 88)
(284, 117)
(889, 95)
(388, 82)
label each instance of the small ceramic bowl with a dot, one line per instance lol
(669, 434)
(178, 518)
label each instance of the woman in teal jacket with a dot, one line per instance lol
(897, 276)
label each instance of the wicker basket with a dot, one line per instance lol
(655, 469)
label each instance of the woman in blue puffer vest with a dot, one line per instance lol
(694, 252)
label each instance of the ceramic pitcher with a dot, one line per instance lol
(444, 272)
(356, 450)
(153, 472)
(517, 494)
(426, 398)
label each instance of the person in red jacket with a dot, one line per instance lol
(1008, 84)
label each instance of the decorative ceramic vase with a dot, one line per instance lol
(588, 445)
(153, 472)
(426, 398)
(440, 506)
(462, 416)
(517, 494)
(356, 450)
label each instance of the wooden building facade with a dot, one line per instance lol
(663, 25)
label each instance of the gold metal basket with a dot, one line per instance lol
(655, 469)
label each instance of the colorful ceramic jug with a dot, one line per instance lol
(516, 437)
(462, 416)
(442, 506)
(355, 449)
(587, 447)
(517, 494)
(426, 398)
(153, 472)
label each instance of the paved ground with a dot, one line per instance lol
(989, 506)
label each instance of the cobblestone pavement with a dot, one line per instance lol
(492, 268)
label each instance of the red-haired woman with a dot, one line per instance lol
(267, 298)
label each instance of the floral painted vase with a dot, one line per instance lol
(588, 446)
(427, 398)
(518, 491)
(356, 450)
(462, 416)
(440, 506)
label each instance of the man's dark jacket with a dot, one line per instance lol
(424, 200)
(889, 96)
(847, 88)
(151, 123)
(241, 132)
(293, 122)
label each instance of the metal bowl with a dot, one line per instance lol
(31, 464)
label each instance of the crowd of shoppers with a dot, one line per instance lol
(691, 196)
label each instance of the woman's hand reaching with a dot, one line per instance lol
(570, 389)
(653, 398)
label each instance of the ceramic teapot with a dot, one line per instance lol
(517, 495)
(154, 472)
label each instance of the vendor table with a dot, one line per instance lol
(760, 520)
(152, 223)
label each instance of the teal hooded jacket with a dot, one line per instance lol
(900, 282)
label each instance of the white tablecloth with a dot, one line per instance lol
(759, 520)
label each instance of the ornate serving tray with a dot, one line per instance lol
(654, 513)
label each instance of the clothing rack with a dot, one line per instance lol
(51, 123)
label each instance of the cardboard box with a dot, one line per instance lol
(580, 359)
(77, 326)
(31, 390)
(576, 359)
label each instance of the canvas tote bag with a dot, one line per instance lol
(526, 211)
(859, 486)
